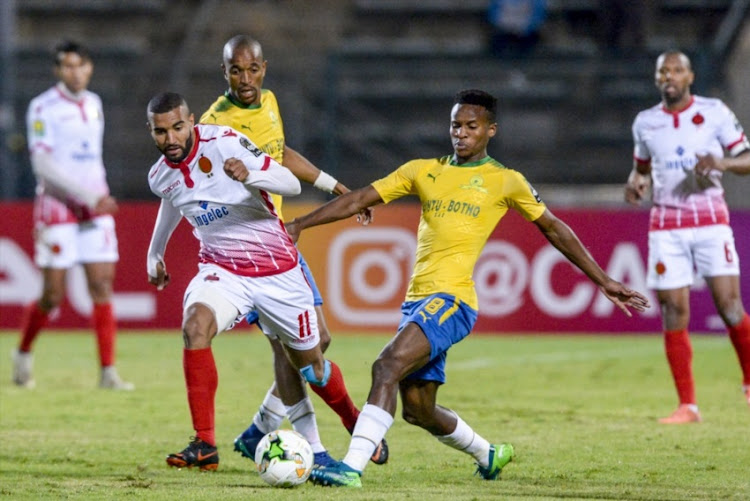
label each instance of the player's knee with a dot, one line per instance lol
(308, 372)
(731, 311)
(51, 299)
(386, 370)
(100, 290)
(198, 327)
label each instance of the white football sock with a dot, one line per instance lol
(302, 417)
(271, 413)
(371, 427)
(467, 440)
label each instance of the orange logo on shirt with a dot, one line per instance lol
(204, 164)
(55, 248)
(661, 268)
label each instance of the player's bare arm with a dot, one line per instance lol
(737, 165)
(566, 241)
(304, 170)
(339, 208)
(639, 182)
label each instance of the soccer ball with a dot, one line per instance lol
(284, 458)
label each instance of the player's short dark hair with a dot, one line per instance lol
(166, 102)
(479, 98)
(67, 47)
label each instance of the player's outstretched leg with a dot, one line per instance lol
(197, 453)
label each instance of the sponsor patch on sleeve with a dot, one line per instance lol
(250, 147)
(38, 127)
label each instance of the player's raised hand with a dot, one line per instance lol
(106, 205)
(624, 297)
(162, 277)
(236, 169)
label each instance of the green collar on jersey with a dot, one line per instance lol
(470, 164)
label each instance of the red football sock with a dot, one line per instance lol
(740, 336)
(34, 320)
(680, 357)
(106, 329)
(201, 380)
(335, 395)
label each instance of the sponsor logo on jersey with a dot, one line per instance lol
(433, 176)
(171, 187)
(698, 119)
(210, 215)
(82, 156)
(440, 208)
(681, 162)
(250, 147)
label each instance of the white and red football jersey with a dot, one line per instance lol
(236, 224)
(670, 141)
(71, 130)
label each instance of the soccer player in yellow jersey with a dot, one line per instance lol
(252, 110)
(463, 197)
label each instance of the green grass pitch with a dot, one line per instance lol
(581, 412)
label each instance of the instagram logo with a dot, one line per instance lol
(368, 272)
(500, 276)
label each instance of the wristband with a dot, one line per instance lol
(325, 182)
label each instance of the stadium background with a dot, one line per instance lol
(365, 85)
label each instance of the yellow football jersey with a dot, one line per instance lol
(461, 205)
(261, 123)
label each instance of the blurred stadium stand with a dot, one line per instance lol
(365, 85)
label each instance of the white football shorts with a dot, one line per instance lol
(284, 302)
(674, 256)
(64, 245)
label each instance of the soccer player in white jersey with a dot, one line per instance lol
(679, 154)
(73, 208)
(220, 181)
